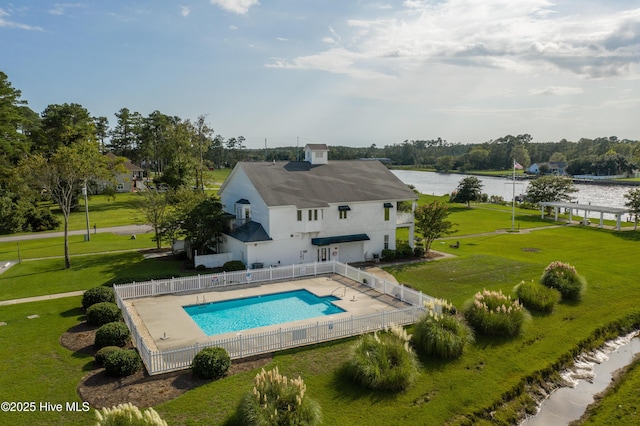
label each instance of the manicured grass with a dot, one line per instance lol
(49, 276)
(35, 367)
(444, 390)
(492, 366)
(50, 247)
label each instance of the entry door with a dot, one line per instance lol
(324, 254)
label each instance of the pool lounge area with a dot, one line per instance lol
(167, 337)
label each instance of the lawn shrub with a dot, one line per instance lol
(122, 363)
(211, 363)
(439, 332)
(537, 297)
(564, 278)
(102, 313)
(233, 265)
(491, 312)
(383, 361)
(128, 414)
(97, 295)
(404, 251)
(112, 334)
(102, 353)
(388, 254)
(278, 400)
(418, 251)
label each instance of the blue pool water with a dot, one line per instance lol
(259, 311)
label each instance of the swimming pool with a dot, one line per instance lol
(259, 311)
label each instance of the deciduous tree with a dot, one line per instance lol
(633, 202)
(469, 189)
(63, 174)
(432, 223)
(550, 188)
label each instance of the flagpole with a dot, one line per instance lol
(513, 199)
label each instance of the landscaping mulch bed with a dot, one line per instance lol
(140, 389)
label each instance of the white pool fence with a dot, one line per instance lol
(242, 345)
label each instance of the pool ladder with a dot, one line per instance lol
(338, 288)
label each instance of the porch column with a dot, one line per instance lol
(411, 237)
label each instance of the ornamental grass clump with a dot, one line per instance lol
(128, 414)
(564, 278)
(439, 332)
(278, 400)
(537, 297)
(493, 313)
(383, 361)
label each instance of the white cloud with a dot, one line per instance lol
(240, 7)
(524, 36)
(7, 23)
(61, 8)
(557, 90)
(185, 11)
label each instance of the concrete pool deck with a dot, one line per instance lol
(164, 324)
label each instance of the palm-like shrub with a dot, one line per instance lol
(491, 312)
(112, 334)
(439, 332)
(383, 361)
(211, 363)
(564, 278)
(128, 414)
(537, 297)
(277, 400)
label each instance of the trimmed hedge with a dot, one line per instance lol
(211, 363)
(97, 295)
(112, 334)
(103, 313)
(233, 265)
(122, 363)
(100, 356)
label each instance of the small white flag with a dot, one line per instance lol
(517, 165)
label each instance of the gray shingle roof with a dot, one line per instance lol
(250, 232)
(304, 185)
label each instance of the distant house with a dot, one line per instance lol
(552, 167)
(128, 180)
(312, 210)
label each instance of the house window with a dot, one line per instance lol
(299, 215)
(387, 207)
(310, 214)
(386, 242)
(342, 210)
(315, 214)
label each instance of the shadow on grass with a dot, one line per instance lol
(74, 312)
(347, 390)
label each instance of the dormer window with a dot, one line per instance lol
(342, 211)
(243, 210)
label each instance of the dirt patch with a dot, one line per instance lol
(140, 389)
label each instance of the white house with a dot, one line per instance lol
(312, 210)
(553, 167)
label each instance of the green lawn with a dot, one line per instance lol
(35, 367)
(492, 366)
(49, 247)
(49, 276)
(445, 392)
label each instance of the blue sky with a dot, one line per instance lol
(335, 71)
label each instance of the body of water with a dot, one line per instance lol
(445, 183)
